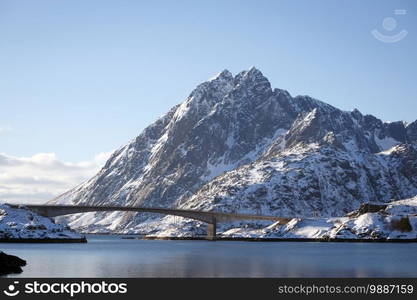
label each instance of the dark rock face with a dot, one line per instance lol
(401, 224)
(368, 207)
(10, 264)
(412, 132)
(236, 144)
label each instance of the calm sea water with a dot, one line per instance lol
(112, 256)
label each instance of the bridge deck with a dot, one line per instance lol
(210, 217)
(205, 216)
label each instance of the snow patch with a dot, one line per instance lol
(386, 143)
(22, 223)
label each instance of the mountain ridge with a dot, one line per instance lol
(226, 128)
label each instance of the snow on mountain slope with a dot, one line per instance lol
(236, 144)
(323, 169)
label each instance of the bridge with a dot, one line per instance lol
(209, 217)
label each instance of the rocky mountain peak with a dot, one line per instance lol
(224, 75)
(356, 114)
(234, 144)
(253, 80)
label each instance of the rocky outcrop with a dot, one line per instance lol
(10, 264)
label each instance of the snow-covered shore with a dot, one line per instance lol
(24, 225)
(395, 221)
(392, 221)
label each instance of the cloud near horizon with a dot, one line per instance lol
(43, 176)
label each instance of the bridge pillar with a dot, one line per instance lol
(211, 231)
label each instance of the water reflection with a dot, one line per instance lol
(110, 256)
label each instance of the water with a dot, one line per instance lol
(112, 256)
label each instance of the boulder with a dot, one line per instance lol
(10, 264)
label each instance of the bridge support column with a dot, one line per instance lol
(211, 231)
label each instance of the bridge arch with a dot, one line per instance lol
(209, 217)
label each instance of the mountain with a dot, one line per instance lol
(237, 145)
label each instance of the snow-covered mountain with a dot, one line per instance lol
(237, 145)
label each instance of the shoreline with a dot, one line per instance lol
(203, 238)
(43, 241)
(317, 240)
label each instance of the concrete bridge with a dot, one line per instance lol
(209, 217)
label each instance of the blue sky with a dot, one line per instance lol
(82, 77)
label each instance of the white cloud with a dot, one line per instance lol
(43, 176)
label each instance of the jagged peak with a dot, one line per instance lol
(254, 70)
(356, 114)
(225, 74)
(206, 95)
(410, 124)
(253, 77)
(222, 82)
(251, 73)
